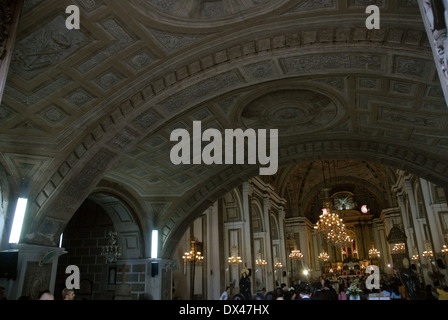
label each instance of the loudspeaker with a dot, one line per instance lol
(154, 269)
(440, 264)
(8, 264)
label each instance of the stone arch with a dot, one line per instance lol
(275, 230)
(135, 117)
(130, 236)
(257, 220)
(313, 192)
(233, 206)
(166, 94)
(387, 154)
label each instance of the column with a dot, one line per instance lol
(435, 228)
(212, 255)
(37, 267)
(268, 244)
(315, 265)
(418, 227)
(409, 231)
(281, 221)
(303, 243)
(248, 257)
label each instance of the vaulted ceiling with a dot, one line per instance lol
(94, 108)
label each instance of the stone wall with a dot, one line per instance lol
(83, 238)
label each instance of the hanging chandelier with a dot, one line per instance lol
(194, 255)
(428, 254)
(278, 265)
(261, 262)
(111, 251)
(323, 256)
(332, 228)
(444, 251)
(399, 248)
(234, 259)
(374, 253)
(296, 255)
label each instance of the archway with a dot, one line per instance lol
(85, 237)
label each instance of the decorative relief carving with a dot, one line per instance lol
(209, 9)
(437, 17)
(291, 111)
(45, 47)
(407, 118)
(333, 62)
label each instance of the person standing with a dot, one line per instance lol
(245, 286)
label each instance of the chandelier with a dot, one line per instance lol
(332, 228)
(234, 259)
(399, 248)
(278, 265)
(428, 254)
(194, 255)
(415, 257)
(444, 250)
(111, 251)
(323, 256)
(296, 255)
(374, 253)
(260, 261)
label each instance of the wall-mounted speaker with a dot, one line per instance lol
(154, 269)
(8, 264)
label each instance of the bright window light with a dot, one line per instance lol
(60, 240)
(19, 215)
(154, 243)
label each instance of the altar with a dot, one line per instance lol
(349, 268)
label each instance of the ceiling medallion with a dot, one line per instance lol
(292, 111)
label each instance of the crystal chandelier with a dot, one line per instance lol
(296, 255)
(399, 248)
(195, 255)
(332, 228)
(234, 259)
(192, 256)
(278, 265)
(111, 251)
(323, 256)
(261, 262)
(428, 254)
(374, 253)
(444, 250)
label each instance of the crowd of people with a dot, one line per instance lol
(341, 289)
(67, 294)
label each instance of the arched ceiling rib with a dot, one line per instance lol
(100, 103)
